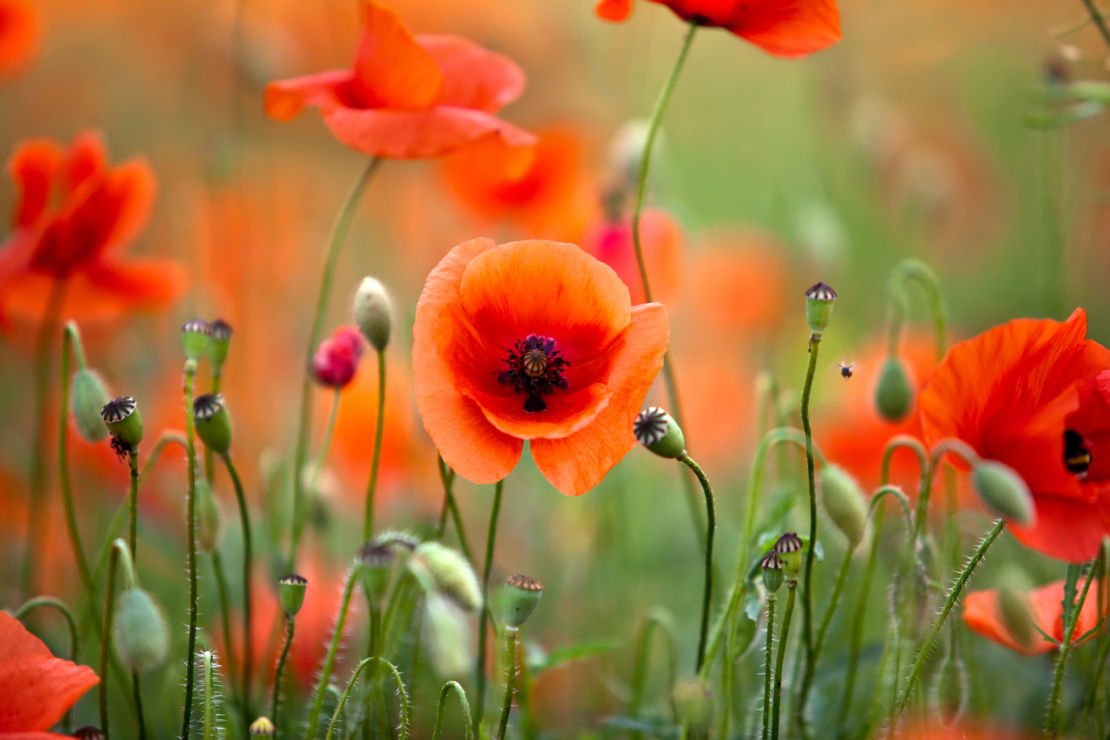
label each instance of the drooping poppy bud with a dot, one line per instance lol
(262, 727)
(121, 415)
(819, 306)
(1014, 610)
(1002, 489)
(448, 636)
(208, 517)
(844, 503)
(694, 703)
(771, 568)
(655, 429)
(87, 397)
(789, 549)
(951, 690)
(219, 343)
(142, 638)
(291, 590)
(893, 395)
(194, 338)
(212, 422)
(450, 573)
(374, 312)
(376, 560)
(522, 594)
(336, 360)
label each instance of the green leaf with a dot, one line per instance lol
(1090, 90)
(560, 656)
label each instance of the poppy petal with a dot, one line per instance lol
(466, 440)
(121, 207)
(613, 10)
(982, 614)
(566, 413)
(285, 99)
(16, 641)
(391, 69)
(1067, 528)
(37, 691)
(473, 77)
(32, 168)
(788, 28)
(19, 34)
(85, 160)
(575, 464)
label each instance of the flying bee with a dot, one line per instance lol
(846, 369)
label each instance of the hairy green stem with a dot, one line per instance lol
(826, 620)
(71, 345)
(119, 554)
(767, 668)
(792, 588)
(405, 718)
(710, 529)
(225, 613)
(368, 530)
(491, 537)
(467, 726)
(208, 691)
(62, 608)
(329, 661)
(1051, 722)
(133, 503)
(191, 536)
(450, 505)
(511, 634)
(276, 704)
(248, 639)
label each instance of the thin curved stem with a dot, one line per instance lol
(1051, 722)
(248, 639)
(119, 552)
(1099, 19)
(451, 506)
(225, 613)
(63, 609)
(168, 436)
(767, 668)
(71, 345)
(905, 271)
(655, 618)
(368, 530)
(329, 661)
(491, 537)
(329, 431)
(710, 529)
(510, 677)
(826, 620)
(351, 684)
(191, 536)
(807, 604)
(467, 726)
(276, 704)
(792, 589)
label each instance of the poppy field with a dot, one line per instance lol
(501, 370)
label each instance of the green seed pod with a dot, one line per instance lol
(194, 338)
(819, 305)
(789, 549)
(374, 312)
(522, 594)
(142, 638)
(124, 421)
(1014, 610)
(451, 574)
(659, 432)
(208, 517)
(771, 568)
(1003, 490)
(262, 726)
(694, 704)
(213, 423)
(376, 561)
(291, 590)
(951, 690)
(448, 636)
(88, 396)
(219, 343)
(893, 395)
(844, 503)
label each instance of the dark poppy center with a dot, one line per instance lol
(535, 368)
(1077, 458)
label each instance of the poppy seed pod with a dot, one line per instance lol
(374, 312)
(893, 395)
(208, 517)
(194, 338)
(451, 574)
(819, 305)
(121, 415)
(212, 422)
(88, 396)
(1002, 489)
(262, 726)
(844, 503)
(219, 343)
(522, 594)
(951, 690)
(771, 568)
(142, 638)
(655, 429)
(291, 590)
(376, 560)
(789, 549)
(1014, 610)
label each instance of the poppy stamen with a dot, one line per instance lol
(1077, 458)
(535, 367)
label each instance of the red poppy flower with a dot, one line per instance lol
(784, 28)
(1032, 394)
(336, 360)
(19, 35)
(1046, 607)
(532, 340)
(36, 687)
(407, 96)
(73, 217)
(661, 239)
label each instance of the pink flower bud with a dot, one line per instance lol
(336, 360)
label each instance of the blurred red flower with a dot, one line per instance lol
(1031, 394)
(982, 613)
(336, 360)
(19, 35)
(661, 239)
(784, 28)
(74, 215)
(532, 340)
(407, 97)
(36, 687)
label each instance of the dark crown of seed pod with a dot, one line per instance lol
(821, 292)
(525, 582)
(375, 554)
(651, 425)
(199, 326)
(89, 733)
(117, 409)
(220, 329)
(207, 406)
(789, 542)
(293, 580)
(771, 560)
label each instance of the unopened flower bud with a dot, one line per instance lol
(694, 704)
(448, 636)
(219, 343)
(450, 573)
(89, 732)
(398, 539)
(659, 432)
(142, 638)
(1014, 610)
(121, 415)
(262, 726)
(291, 590)
(1003, 490)
(336, 360)
(893, 395)
(844, 503)
(194, 338)
(376, 560)
(208, 517)
(951, 690)
(88, 396)
(212, 422)
(789, 549)
(626, 153)
(522, 594)
(374, 312)
(819, 306)
(772, 572)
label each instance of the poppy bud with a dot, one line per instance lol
(208, 517)
(374, 312)
(212, 422)
(262, 726)
(88, 396)
(194, 338)
(336, 360)
(1002, 489)
(694, 704)
(951, 690)
(844, 503)
(819, 306)
(655, 429)
(522, 594)
(626, 152)
(893, 395)
(142, 638)
(447, 635)
(1014, 611)
(451, 574)
(122, 417)
(218, 344)
(291, 589)
(376, 560)
(772, 572)
(398, 539)
(89, 733)
(789, 549)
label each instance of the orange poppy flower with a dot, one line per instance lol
(784, 28)
(73, 217)
(532, 340)
(983, 614)
(406, 96)
(19, 35)
(37, 687)
(1031, 394)
(661, 238)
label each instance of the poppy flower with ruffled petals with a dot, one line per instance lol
(73, 217)
(538, 341)
(983, 614)
(1032, 394)
(784, 28)
(36, 687)
(405, 96)
(19, 35)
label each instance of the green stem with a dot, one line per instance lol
(826, 620)
(792, 588)
(1099, 19)
(905, 271)
(1103, 644)
(770, 650)
(329, 431)
(133, 503)
(807, 603)
(71, 345)
(191, 536)
(208, 686)
(368, 530)
(225, 613)
(351, 684)
(168, 436)
(329, 661)
(467, 726)
(209, 468)
(289, 624)
(136, 691)
(1050, 728)
(63, 609)
(450, 505)
(491, 537)
(248, 640)
(710, 529)
(656, 618)
(119, 552)
(510, 676)
(339, 231)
